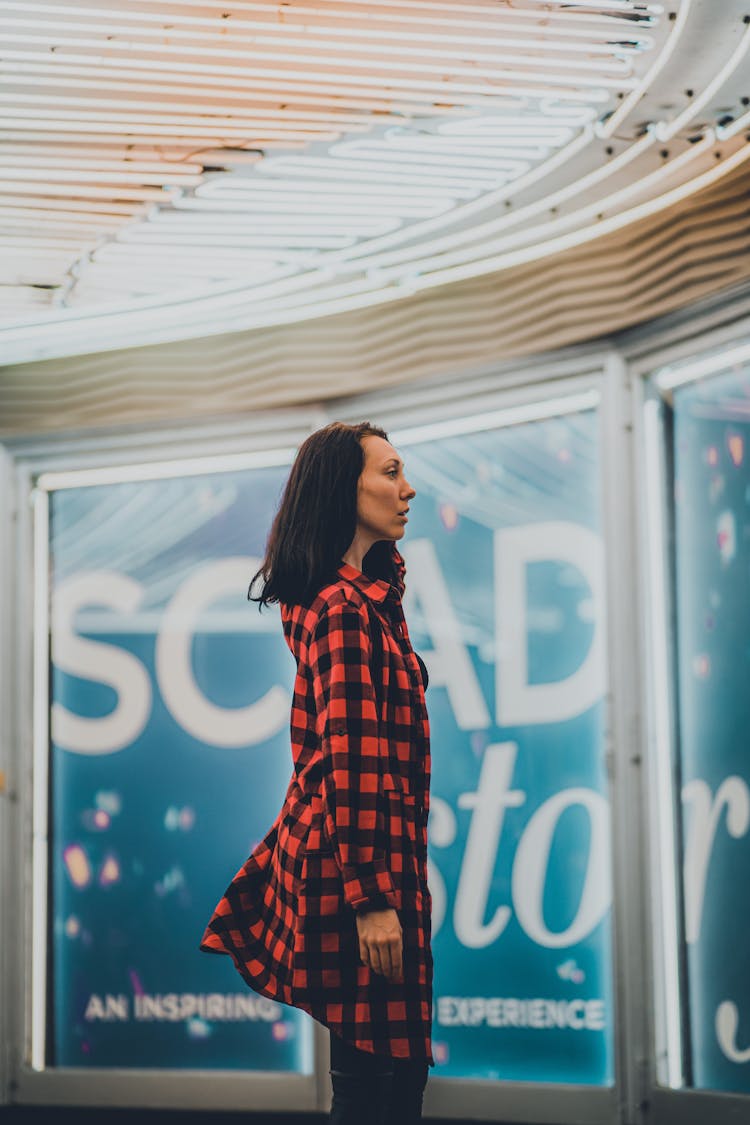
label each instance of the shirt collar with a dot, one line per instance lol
(377, 589)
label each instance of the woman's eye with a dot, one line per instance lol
(392, 471)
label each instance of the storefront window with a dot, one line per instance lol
(170, 758)
(170, 702)
(507, 606)
(707, 429)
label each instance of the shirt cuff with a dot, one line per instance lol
(370, 887)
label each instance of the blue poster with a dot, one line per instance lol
(171, 758)
(506, 604)
(712, 568)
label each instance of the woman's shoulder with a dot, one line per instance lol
(330, 600)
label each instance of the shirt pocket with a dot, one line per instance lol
(317, 840)
(321, 890)
(402, 811)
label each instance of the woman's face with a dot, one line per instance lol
(383, 492)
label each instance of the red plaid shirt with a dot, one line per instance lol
(351, 835)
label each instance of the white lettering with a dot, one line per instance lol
(206, 721)
(701, 834)
(532, 860)
(443, 831)
(110, 1008)
(100, 663)
(214, 1006)
(727, 1022)
(536, 1013)
(492, 797)
(450, 663)
(517, 701)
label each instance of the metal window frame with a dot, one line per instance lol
(618, 367)
(40, 463)
(532, 387)
(92, 457)
(719, 330)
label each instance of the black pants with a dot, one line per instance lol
(374, 1089)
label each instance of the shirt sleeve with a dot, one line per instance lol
(347, 728)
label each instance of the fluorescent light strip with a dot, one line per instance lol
(667, 380)
(339, 86)
(724, 132)
(665, 130)
(73, 247)
(416, 9)
(595, 89)
(310, 242)
(32, 220)
(341, 297)
(40, 780)
(206, 113)
(143, 110)
(416, 13)
(368, 102)
(352, 121)
(306, 32)
(165, 470)
(210, 133)
(95, 164)
(495, 419)
(343, 41)
(375, 251)
(190, 142)
(585, 214)
(616, 5)
(336, 299)
(386, 168)
(252, 188)
(613, 122)
(577, 238)
(453, 157)
(218, 208)
(68, 205)
(53, 176)
(83, 191)
(548, 114)
(484, 231)
(302, 51)
(205, 120)
(495, 127)
(341, 168)
(364, 223)
(661, 695)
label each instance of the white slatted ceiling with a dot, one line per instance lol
(697, 247)
(172, 169)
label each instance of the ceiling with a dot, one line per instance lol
(172, 170)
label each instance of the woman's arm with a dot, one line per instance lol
(347, 726)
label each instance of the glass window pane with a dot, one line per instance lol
(506, 604)
(711, 433)
(170, 747)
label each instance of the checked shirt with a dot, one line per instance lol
(351, 835)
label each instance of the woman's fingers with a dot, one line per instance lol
(381, 943)
(386, 957)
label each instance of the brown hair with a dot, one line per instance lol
(317, 518)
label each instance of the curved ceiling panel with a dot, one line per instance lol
(179, 168)
(691, 250)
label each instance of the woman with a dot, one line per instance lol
(331, 912)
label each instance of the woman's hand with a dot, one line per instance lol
(381, 942)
